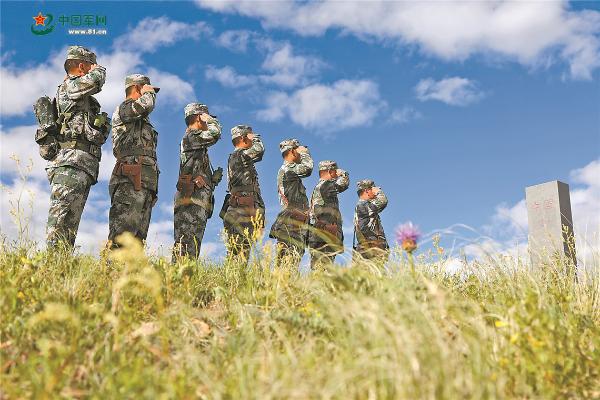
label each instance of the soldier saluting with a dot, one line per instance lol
(133, 184)
(244, 209)
(290, 227)
(72, 142)
(367, 223)
(326, 238)
(194, 200)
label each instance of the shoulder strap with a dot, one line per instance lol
(229, 172)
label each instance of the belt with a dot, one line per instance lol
(137, 152)
(81, 145)
(242, 188)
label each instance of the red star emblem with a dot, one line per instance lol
(39, 20)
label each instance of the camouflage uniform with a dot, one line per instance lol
(74, 169)
(290, 227)
(245, 208)
(194, 200)
(370, 237)
(133, 186)
(326, 238)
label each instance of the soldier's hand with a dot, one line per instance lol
(301, 149)
(206, 117)
(250, 136)
(146, 88)
(93, 67)
(376, 190)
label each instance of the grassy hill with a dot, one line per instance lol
(130, 327)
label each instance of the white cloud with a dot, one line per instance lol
(585, 206)
(405, 115)
(281, 66)
(160, 237)
(534, 34)
(151, 33)
(173, 89)
(288, 69)
(512, 218)
(17, 98)
(92, 235)
(12, 148)
(21, 205)
(455, 91)
(235, 40)
(327, 108)
(227, 76)
(106, 164)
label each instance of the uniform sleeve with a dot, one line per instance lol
(328, 190)
(342, 181)
(211, 135)
(131, 111)
(362, 217)
(86, 85)
(256, 151)
(304, 168)
(366, 213)
(380, 201)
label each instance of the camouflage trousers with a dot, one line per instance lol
(240, 224)
(324, 246)
(291, 234)
(189, 223)
(69, 192)
(130, 210)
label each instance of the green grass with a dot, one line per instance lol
(80, 327)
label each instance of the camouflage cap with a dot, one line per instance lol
(195, 109)
(138, 79)
(327, 165)
(81, 53)
(365, 184)
(240, 130)
(288, 144)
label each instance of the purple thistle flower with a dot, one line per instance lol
(407, 232)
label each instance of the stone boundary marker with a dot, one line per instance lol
(550, 223)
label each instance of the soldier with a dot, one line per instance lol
(290, 227)
(194, 200)
(133, 184)
(326, 238)
(244, 208)
(367, 223)
(80, 133)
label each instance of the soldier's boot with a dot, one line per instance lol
(130, 211)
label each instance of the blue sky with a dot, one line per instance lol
(453, 111)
